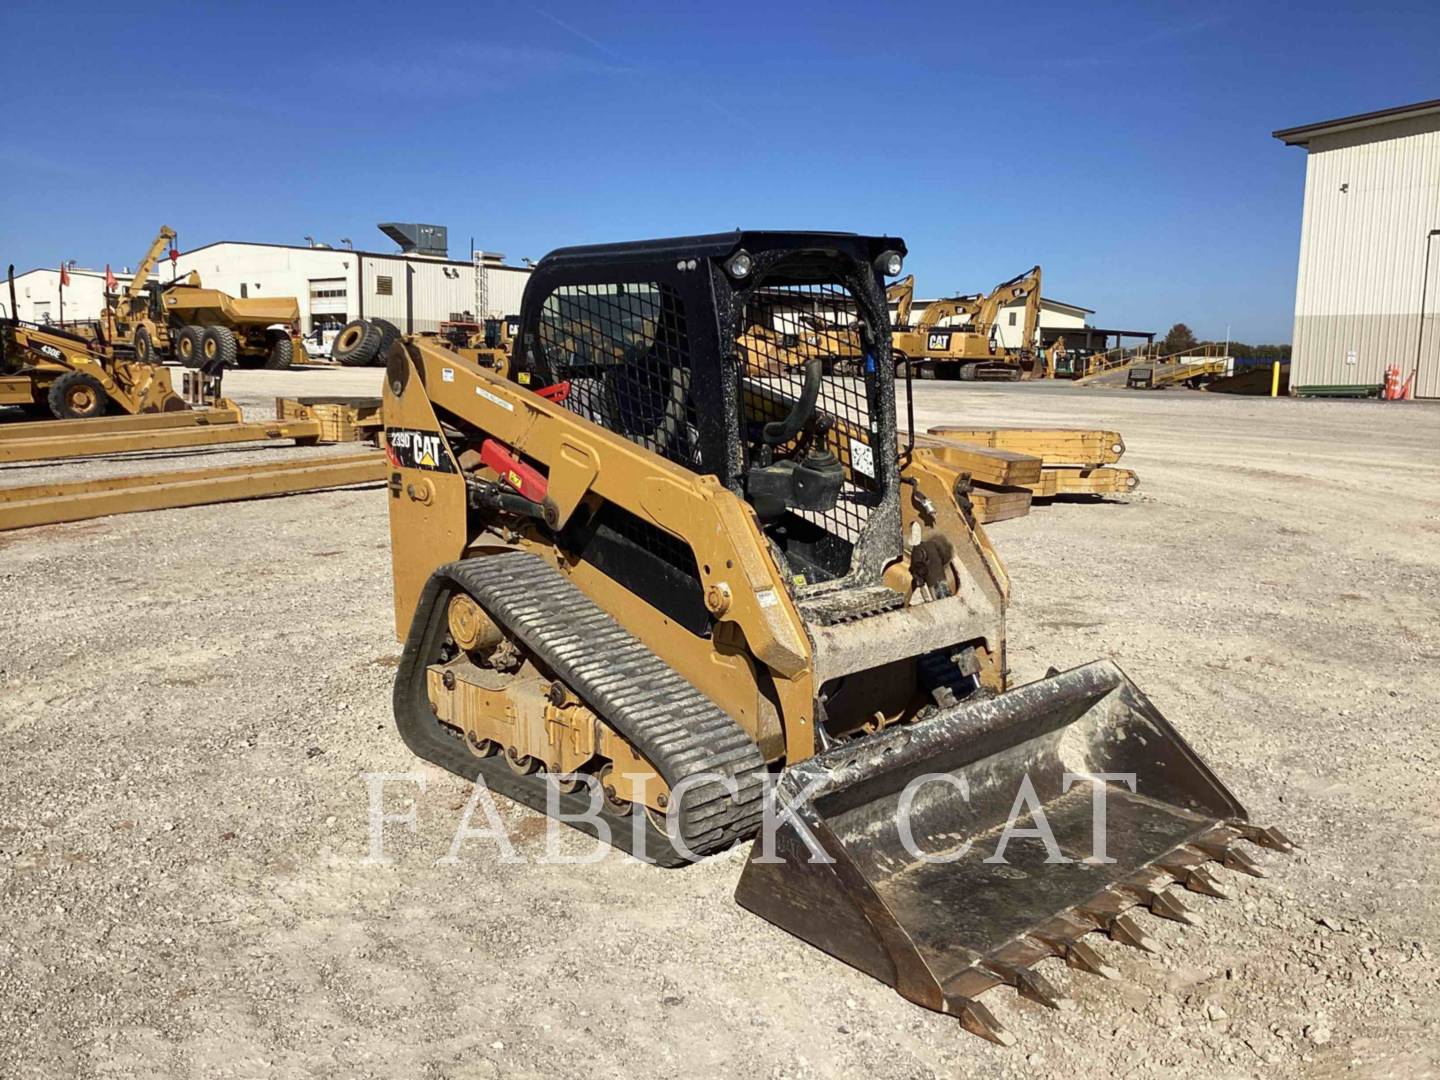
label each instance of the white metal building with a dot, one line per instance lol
(1056, 318)
(38, 295)
(1368, 292)
(333, 285)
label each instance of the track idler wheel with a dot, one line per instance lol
(522, 764)
(618, 804)
(481, 748)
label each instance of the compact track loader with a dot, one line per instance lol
(677, 594)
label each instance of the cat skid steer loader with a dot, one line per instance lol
(678, 598)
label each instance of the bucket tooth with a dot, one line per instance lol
(1181, 861)
(1229, 855)
(1029, 983)
(978, 1020)
(1238, 859)
(1269, 837)
(1127, 931)
(1087, 958)
(1168, 906)
(1063, 938)
(1200, 880)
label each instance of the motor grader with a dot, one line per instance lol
(675, 600)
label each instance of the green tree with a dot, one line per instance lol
(1179, 339)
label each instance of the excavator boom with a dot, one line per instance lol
(902, 295)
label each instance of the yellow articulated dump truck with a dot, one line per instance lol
(207, 325)
(198, 326)
(683, 596)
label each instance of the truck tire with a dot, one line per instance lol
(144, 347)
(187, 345)
(77, 395)
(357, 343)
(282, 354)
(218, 348)
(389, 334)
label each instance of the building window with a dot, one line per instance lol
(384, 286)
(244, 290)
(1012, 318)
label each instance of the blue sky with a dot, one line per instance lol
(1126, 147)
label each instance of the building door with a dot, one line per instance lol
(40, 311)
(1427, 348)
(329, 303)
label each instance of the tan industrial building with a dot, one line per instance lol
(415, 289)
(1368, 291)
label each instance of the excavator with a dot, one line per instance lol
(970, 350)
(795, 328)
(678, 606)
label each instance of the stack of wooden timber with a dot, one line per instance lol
(1010, 467)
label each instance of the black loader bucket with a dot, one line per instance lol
(952, 855)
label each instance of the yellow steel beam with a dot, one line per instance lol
(226, 413)
(55, 446)
(1055, 446)
(49, 504)
(1000, 504)
(1085, 481)
(985, 465)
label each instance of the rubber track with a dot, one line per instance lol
(678, 729)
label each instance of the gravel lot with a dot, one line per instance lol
(189, 700)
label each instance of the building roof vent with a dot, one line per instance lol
(431, 240)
